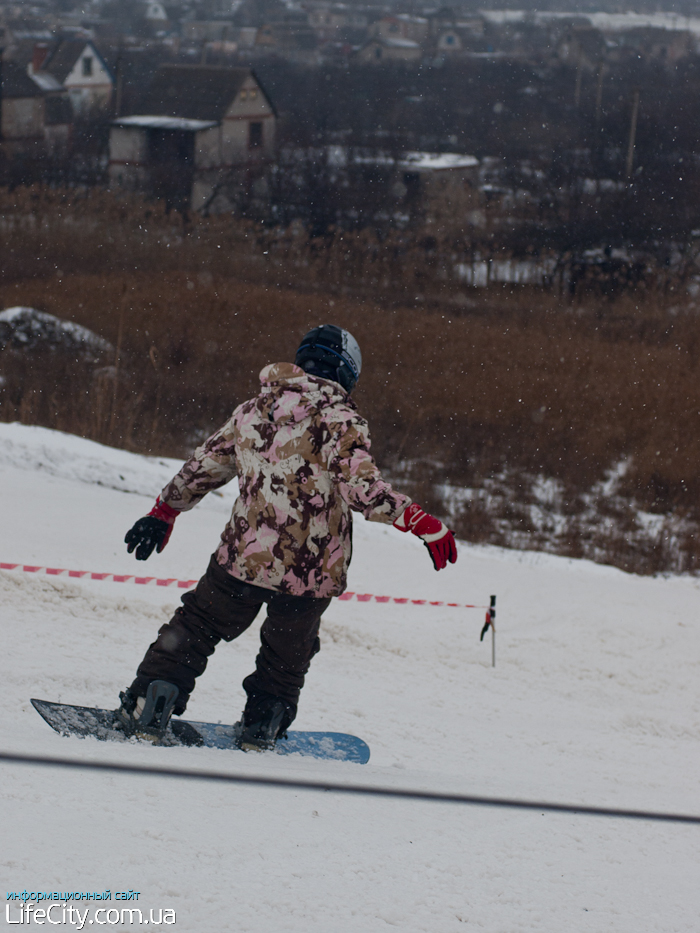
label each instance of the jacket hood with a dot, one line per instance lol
(290, 394)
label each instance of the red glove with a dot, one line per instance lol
(151, 532)
(437, 537)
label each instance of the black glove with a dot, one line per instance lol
(148, 533)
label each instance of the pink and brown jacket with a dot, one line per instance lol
(301, 454)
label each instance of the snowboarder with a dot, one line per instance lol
(301, 454)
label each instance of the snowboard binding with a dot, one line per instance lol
(148, 716)
(260, 729)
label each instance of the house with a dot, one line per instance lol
(465, 26)
(436, 190)
(23, 111)
(58, 109)
(254, 13)
(440, 187)
(451, 34)
(79, 68)
(380, 50)
(338, 23)
(156, 13)
(582, 47)
(653, 44)
(58, 123)
(448, 41)
(401, 26)
(293, 41)
(205, 131)
(207, 31)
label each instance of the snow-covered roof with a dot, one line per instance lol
(397, 43)
(339, 156)
(165, 123)
(46, 81)
(436, 161)
(606, 22)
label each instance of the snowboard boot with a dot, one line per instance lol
(149, 715)
(263, 723)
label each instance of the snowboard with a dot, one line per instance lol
(102, 724)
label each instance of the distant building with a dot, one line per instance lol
(204, 132)
(438, 191)
(582, 47)
(453, 35)
(401, 26)
(36, 112)
(23, 111)
(380, 50)
(448, 41)
(649, 44)
(333, 22)
(294, 41)
(79, 68)
(207, 31)
(59, 117)
(156, 13)
(439, 187)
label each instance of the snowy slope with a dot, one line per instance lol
(594, 700)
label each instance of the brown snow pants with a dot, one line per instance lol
(219, 607)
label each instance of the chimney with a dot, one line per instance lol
(39, 56)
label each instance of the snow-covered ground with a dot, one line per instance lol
(594, 700)
(606, 22)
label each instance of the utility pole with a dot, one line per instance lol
(119, 89)
(599, 96)
(579, 78)
(633, 133)
(2, 51)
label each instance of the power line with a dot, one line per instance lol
(367, 790)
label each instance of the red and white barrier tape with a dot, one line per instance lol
(403, 600)
(188, 584)
(110, 577)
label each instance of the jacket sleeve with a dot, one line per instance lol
(212, 465)
(358, 477)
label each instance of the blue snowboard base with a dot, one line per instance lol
(102, 724)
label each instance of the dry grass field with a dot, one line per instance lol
(474, 405)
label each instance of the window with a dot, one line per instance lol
(253, 93)
(244, 94)
(87, 66)
(255, 135)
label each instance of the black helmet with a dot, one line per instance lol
(331, 353)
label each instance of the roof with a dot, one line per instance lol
(165, 123)
(196, 92)
(47, 82)
(436, 161)
(390, 43)
(410, 161)
(17, 83)
(62, 60)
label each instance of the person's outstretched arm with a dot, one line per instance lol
(363, 488)
(212, 465)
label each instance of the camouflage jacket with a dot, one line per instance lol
(301, 453)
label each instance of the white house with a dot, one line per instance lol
(78, 66)
(155, 12)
